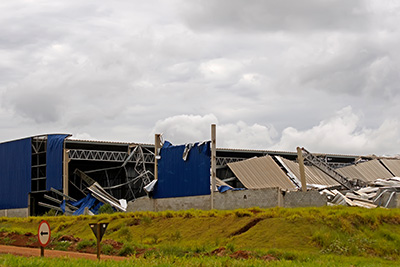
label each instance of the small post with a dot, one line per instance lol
(98, 236)
(302, 171)
(157, 146)
(98, 230)
(44, 234)
(213, 161)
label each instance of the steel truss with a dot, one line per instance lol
(130, 177)
(110, 156)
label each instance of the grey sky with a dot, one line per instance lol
(323, 74)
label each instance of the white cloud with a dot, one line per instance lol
(190, 128)
(342, 134)
(241, 135)
(182, 129)
(115, 70)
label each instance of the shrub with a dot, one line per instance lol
(106, 209)
(51, 213)
(243, 213)
(125, 233)
(85, 243)
(107, 249)
(127, 250)
(62, 245)
(175, 236)
(8, 241)
(230, 247)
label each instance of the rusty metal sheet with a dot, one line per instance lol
(261, 172)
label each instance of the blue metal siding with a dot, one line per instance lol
(15, 173)
(179, 178)
(54, 161)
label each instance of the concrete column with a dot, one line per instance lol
(213, 161)
(157, 146)
(302, 171)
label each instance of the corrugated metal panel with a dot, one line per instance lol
(313, 174)
(260, 172)
(178, 177)
(54, 161)
(322, 177)
(393, 165)
(351, 172)
(15, 173)
(219, 182)
(366, 171)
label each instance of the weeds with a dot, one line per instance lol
(125, 234)
(85, 243)
(175, 236)
(107, 249)
(106, 209)
(126, 250)
(62, 245)
(243, 213)
(7, 240)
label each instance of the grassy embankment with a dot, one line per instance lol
(340, 235)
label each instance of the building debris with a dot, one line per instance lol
(379, 193)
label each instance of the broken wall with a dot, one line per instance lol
(263, 198)
(303, 199)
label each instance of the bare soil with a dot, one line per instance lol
(29, 252)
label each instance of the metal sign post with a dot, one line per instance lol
(44, 234)
(98, 230)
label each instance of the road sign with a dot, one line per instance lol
(98, 230)
(98, 234)
(44, 233)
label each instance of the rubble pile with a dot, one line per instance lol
(378, 193)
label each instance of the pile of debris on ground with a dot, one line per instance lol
(379, 193)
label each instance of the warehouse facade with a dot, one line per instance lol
(32, 169)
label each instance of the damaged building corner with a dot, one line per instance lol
(55, 172)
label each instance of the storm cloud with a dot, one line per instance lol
(270, 74)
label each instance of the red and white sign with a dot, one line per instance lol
(44, 233)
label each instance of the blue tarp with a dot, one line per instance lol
(54, 161)
(178, 177)
(15, 173)
(89, 201)
(224, 188)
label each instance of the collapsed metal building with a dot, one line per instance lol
(38, 172)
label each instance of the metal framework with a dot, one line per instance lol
(110, 156)
(38, 174)
(326, 169)
(223, 161)
(129, 178)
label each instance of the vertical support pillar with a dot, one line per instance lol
(213, 161)
(302, 171)
(157, 146)
(65, 171)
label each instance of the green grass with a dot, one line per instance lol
(171, 260)
(319, 233)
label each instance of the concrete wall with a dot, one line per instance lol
(14, 213)
(303, 199)
(263, 198)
